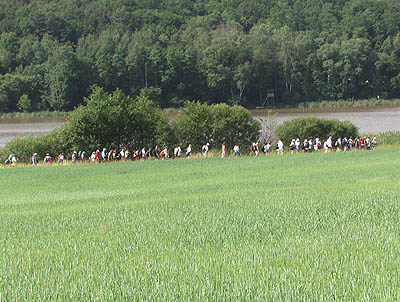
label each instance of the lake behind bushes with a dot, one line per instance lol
(368, 120)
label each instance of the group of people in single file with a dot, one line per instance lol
(296, 145)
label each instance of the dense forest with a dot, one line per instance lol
(52, 53)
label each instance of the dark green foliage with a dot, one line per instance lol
(24, 103)
(312, 127)
(115, 121)
(198, 124)
(212, 51)
(194, 124)
(233, 125)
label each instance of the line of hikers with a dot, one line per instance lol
(308, 145)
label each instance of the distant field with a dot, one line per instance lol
(307, 227)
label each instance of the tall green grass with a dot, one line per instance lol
(306, 227)
(389, 138)
(350, 103)
(29, 115)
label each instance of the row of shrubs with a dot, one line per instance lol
(312, 127)
(116, 121)
(389, 138)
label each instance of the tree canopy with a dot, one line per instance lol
(54, 52)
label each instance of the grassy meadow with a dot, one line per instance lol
(307, 227)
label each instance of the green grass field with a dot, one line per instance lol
(308, 227)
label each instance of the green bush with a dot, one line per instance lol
(114, 121)
(388, 138)
(314, 127)
(199, 123)
(193, 124)
(234, 125)
(51, 143)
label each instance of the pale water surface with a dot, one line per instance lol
(11, 128)
(368, 120)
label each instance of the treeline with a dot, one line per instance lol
(53, 52)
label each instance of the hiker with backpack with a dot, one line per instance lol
(267, 148)
(177, 151)
(47, 159)
(254, 148)
(14, 161)
(61, 158)
(156, 152)
(204, 149)
(373, 143)
(9, 159)
(292, 146)
(164, 153)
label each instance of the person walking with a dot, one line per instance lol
(47, 159)
(189, 151)
(297, 144)
(103, 154)
(292, 146)
(34, 160)
(177, 151)
(61, 158)
(328, 144)
(223, 150)
(373, 143)
(338, 144)
(236, 149)
(204, 149)
(267, 148)
(156, 152)
(280, 147)
(9, 159)
(92, 157)
(14, 161)
(73, 158)
(164, 153)
(83, 157)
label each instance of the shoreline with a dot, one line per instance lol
(59, 116)
(264, 111)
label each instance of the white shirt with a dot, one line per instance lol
(329, 143)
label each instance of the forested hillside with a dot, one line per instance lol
(53, 52)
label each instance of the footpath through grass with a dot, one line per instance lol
(318, 227)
